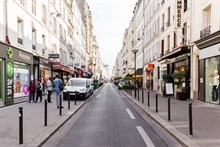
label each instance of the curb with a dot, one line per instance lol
(179, 136)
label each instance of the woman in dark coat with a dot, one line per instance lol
(32, 88)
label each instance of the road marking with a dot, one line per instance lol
(145, 137)
(130, 113)
(98, 96)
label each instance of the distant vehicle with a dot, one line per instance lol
(80, 85)
(121, 84)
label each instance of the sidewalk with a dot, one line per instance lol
(35, 133)
(206, 119)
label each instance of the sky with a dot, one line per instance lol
(110, 19)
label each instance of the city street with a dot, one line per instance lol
(108, 119)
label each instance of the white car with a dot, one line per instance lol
(79, 85)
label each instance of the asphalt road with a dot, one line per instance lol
(108, 120)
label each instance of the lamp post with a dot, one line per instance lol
(135, 82)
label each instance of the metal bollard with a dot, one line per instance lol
(75, 96)
(68, 100)
(138, 94)
(45, 112)
(20, 125)
(148, 99)
(142, 95)
(190, 119)
(60, 108)
(168, 108)
(156, 102)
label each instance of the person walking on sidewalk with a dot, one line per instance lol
(32, 88)
(58, 83)
(49, 89)
(39, 91)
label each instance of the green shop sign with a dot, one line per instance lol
(9, 82)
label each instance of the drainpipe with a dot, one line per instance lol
(6, 22)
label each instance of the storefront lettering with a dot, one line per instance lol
(24, 56)
(179, 13)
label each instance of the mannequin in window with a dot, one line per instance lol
(215, 86)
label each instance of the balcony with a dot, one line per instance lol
(205, 32)
(20, 41)
(33, 47)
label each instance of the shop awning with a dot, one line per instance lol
(176, 52)
(139, 73)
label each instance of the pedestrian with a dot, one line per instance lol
(58, 90)
(39, 91)
(49, 90)
(32, 89)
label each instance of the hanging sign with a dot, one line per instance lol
(179, 8)
(9, 82)
(169, 88)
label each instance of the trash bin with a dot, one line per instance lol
(96, 84)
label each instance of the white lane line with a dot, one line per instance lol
(98, 96)
(146, 138)
(130, 113)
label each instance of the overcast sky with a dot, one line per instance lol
(110, 19)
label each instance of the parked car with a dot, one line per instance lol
(91, 87)
(80, 85)
(121, 84)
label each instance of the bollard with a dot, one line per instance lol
(156, 102)
(60, 108)
(20, 125)
(148, 99)
(45, 112)
(75, 97)
(138, 94)
(135, 92)
(190, 119)
(142, 95)
(68, 100)
(168, 108)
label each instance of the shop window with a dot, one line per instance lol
(212, 66)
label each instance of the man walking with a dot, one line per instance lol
(58, 83)
(49, 89)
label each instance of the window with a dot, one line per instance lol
(34, 38)
(185, 5)
(61, 30)
(23, 2)
(168, 17)
(168, 43)
(44, 18)
(207, 17)
(43, 44)
(184, 32)
(163, 17)
(34, 7)
(174, 39)
(20, 31)
(54, 25)
(64, 35)
(162, 47)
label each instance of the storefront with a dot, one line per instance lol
(178, 66)
(63, 71)
(209, 67)
(15, 67)
(149, 76)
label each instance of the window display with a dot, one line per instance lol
(212, 79)
(21, 79)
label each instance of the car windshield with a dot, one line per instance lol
(78, 83)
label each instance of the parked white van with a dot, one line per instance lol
(91, 86)
(80, 85)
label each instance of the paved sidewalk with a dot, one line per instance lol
(35, 133)
(206, 119)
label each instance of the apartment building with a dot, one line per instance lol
(42, 39)
(205, 50)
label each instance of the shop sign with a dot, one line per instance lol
(169, 88)
(54, 56)
(24, 56)
(10, 52)
(179, 13)
(9, 82)
(150, 66)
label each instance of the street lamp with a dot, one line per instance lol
(135, 52)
